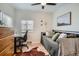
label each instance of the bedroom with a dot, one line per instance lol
(38, 19)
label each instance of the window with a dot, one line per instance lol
(1, 22)
(26, 25)
(5, 20)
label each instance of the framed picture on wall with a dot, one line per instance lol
(64, 19)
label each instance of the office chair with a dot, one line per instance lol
(21, 40)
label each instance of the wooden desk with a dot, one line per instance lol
(15, 42)
(6, 42)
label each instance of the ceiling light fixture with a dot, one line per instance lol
(43, 3)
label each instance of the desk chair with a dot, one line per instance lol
(21, 41)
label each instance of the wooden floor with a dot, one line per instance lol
(39, 45)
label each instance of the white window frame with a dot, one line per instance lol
(27, 25)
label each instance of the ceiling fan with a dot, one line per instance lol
(43, 4)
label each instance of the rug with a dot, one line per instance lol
(33, 52)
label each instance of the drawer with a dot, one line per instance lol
(7, 52)
(4, 32)
(5, 42)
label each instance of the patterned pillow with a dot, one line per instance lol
(71, 35)
(62, 35)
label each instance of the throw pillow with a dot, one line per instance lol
(55, 36)
(71, 35)
(62, 35)
(50, 33)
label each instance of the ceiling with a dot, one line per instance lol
(28, 6)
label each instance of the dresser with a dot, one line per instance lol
(6, 41)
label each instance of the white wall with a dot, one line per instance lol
(18, 15)
(36, 17)
(74, 8)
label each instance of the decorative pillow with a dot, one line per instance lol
(71, 35)
(47, 33)
(50, 33)
(62, 35)
(55, 36)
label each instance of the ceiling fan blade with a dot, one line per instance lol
(43, 7)
(50, 3)
(36, 4)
